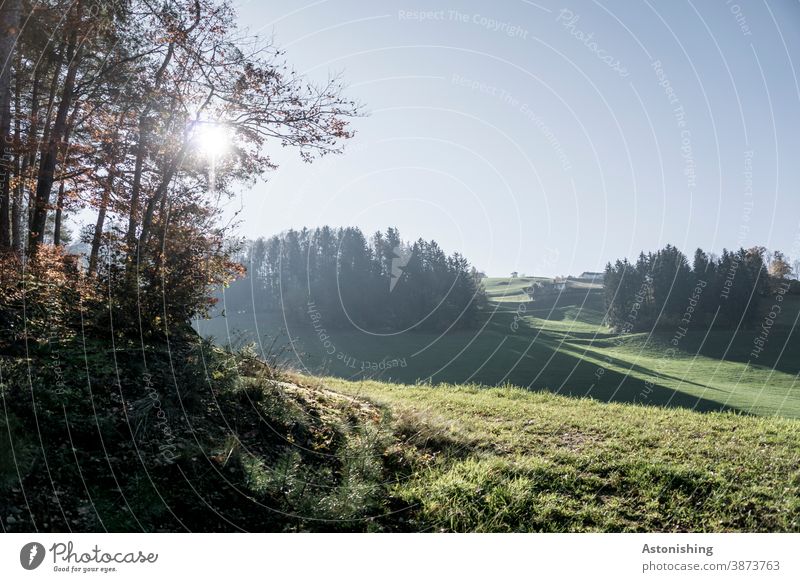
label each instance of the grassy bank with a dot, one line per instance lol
(205, 440)
(505, 459)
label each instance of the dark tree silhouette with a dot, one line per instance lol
(382, 283)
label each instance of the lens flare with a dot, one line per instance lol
(212, 139)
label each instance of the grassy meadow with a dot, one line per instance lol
(506, 459)
(558, 446)
(556, 343)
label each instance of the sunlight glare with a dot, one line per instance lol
(212, 139)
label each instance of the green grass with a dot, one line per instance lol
(508, 289)
(259, 450)
(506, 459)
(502, 289)
(246, 450)
(558, 344)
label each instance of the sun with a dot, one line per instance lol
(212, 139)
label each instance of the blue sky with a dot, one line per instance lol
(547, 138)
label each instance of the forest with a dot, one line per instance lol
(125, 127)
(662, 289)
(382, 283)
(134, 120)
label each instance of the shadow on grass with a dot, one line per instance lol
(781, 349)
(554, 366)
(528, 356)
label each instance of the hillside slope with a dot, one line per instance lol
(211, 441)
(558, 343)
(506, 459)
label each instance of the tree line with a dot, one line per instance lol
(663, 288)
(379, 283)
(102, 110)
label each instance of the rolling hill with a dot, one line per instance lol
(557, 343)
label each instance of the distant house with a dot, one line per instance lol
(514, 274)
(592, 276)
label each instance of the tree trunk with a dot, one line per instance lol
(98, 227)
(161, 192)
(164, 213)
(59, 213)
(60, 200)
(108, 190)
(51, 100)
(6, 170)
(9, 29)
(133, 217)
(16, 200)
(47, 166)
(31, 147)
(141, 150)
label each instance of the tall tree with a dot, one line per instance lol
(10, 13)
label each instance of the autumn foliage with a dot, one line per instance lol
(102, 107)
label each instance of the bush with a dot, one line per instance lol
(45, 297)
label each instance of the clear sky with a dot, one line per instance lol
(548, 138)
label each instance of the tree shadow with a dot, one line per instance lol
(777, 350)
(619, 362)
(526, 355)
(548, 366)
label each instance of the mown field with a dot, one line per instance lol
(558, 344)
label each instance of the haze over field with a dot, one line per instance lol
(558, 344)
